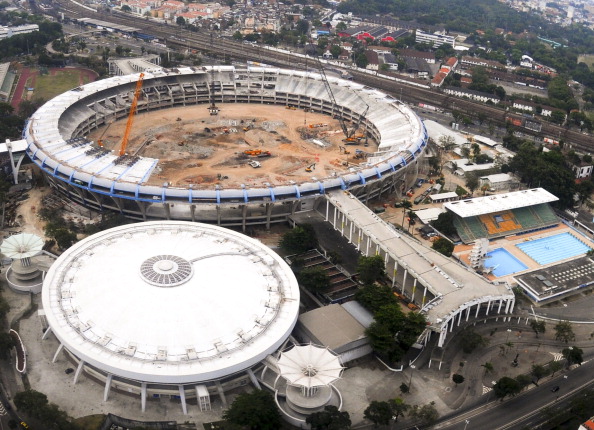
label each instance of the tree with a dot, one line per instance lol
(399, 408)
(314, 279)
(341, 26)
(300, 239)
(126, 8)
(554, 367)
(373, 297)
(405, 205)
(458, 379)
(471, 181)
(335, 50)
(471, 340)
(6, 344)
(256, 410)
(506, 386)
(31, 402)
(443, 246)
(427, 414)
(329, 419)
(371, 269)
(488, 367)
(445, 223)
(538, 371)
(573, 355)
(564, 331)
(538, 326)
(180, 21)
(404, 388)
(379, 413)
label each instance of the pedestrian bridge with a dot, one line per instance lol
(445, 290)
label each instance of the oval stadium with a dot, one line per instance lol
(275, 146)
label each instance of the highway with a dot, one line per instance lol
(526, 409)
(210, 42)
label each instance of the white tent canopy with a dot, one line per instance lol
(24, 245)
(309, 366)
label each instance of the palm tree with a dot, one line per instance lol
(488, 367)
(406, 204)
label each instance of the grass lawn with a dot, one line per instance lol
(588, 59)
(90, 422)
(47, 86)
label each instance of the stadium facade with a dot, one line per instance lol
(99, 179)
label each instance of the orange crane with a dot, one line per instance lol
(131, 115)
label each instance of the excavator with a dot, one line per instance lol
(124, 143)
(311, 167)
(343, 150)
(100, 140)
(257, 153)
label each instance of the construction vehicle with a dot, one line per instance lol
(255, 164)
(100, 140)
(360, 154)
(131, 115)
(264, 154)
(343, 150)
(256, 152)
(350, 141)
(311, 167)
(290, 107)
(318, 125)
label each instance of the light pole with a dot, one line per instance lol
(467, 422)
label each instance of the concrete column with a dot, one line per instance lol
(327, 210)
(182, 396)
(250, 373)
(394, 272)
(499, 308)
(513, 303)
(460, 317)
(367, 247)
(79, 369)
(221, 394)
(404, 280)
(143, 396)
(442, 336)
(359, 239)
(334, 218)
(377, 249)
(424, 296)
(58, 351)
(351, 232)
(468, 312)
(478, 308)
(414, 289)
(47, 332)
(107, 387)
(488, 307)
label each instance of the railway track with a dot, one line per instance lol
(207, 42)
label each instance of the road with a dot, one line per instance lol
(524, 411)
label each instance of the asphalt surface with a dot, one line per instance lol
(524, 411)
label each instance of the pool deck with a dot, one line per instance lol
(509, 243)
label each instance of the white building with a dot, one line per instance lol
(169, 308)
(434, 39)
(6, 32)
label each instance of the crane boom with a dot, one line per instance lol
(131, 115)
(343, 125)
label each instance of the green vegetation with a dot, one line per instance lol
(371, 269)
(573, 355)
(471, 340)
(538, 326)
(443, 246)
(329, 419)
(255, 411)
(564, 331)
(299, 240)
(36, 405)
(426, 414)
(314, 279)
(457, 378)
(506, 386)
(445, 223)
(373, 297)
(49, 86)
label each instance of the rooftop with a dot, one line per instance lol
(500, 202)
(170, 302)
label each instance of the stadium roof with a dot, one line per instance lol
(500, 202)
(170, 302)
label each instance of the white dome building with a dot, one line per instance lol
(169, 308)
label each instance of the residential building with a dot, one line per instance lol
(471, 94)
(434, 39)
(429, 57)
(6, 32)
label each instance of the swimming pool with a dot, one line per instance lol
(503, 262)
(553, 248)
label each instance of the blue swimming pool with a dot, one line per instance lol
(553, 248)
(503, 262)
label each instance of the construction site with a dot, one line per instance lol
(243, 144)
(225, 145)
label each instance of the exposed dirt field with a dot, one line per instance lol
(196, 148)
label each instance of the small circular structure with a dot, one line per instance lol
(161, 305)
(24, 274)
